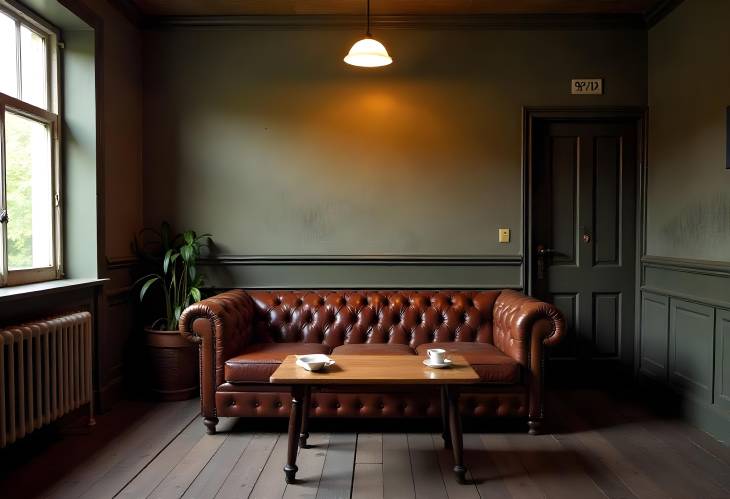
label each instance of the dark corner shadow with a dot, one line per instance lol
(575, 410)
(63, 446)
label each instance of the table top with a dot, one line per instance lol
(376, 370)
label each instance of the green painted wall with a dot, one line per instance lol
(79, 158)
(688, 204)
(685, 303)
(270, 142)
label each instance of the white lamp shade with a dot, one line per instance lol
(368, 53)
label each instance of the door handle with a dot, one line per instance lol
(542, 253)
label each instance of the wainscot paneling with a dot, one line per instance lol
(654, 335)
(691, 335)
(685, 336)
(722, 360)
(281, 272)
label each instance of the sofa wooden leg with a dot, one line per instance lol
(535, 427)
(210, 424)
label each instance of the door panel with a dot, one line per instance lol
(606, 323)
(607, 193)
(564, 188)
(583, 198)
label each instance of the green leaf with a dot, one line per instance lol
(189, 237)
(146, 286)
(178, 312)
(166, 261)
(195, 292)
(193, 272)
(187, 253)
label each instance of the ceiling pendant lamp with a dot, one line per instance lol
(368, 52)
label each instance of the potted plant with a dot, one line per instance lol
(173, 359)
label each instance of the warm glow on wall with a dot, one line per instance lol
(368, 52)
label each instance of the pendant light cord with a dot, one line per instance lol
(367, 32)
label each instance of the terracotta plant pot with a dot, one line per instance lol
(173, 362)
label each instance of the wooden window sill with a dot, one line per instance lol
(38, 289)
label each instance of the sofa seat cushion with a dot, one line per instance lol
(258, 362)
(373, 349)
(489, 362)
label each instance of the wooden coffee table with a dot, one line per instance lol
(375, 370)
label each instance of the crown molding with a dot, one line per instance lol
(131, 11)
(480, 21)
(660, 11)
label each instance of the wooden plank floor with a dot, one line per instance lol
(599, 446)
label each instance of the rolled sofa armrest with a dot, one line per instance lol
(523, 326)
(520, 316)
(221, 325)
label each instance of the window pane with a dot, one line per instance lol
(8, 65)
(33, 67)
(29, 193)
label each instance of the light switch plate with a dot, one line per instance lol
(504, 235)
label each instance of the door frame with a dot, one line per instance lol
(534, 115)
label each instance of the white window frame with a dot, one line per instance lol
(51, 117)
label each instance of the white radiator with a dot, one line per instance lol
(45, 372)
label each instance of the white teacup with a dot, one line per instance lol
(436, 355)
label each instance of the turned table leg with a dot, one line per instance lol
(306, 406)
(445, 433)
(295, 424)
(457, 439)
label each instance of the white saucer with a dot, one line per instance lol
(446, 363)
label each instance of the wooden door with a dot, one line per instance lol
(583, 224)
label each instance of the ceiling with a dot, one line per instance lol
(158, 8)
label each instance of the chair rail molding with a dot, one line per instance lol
(364, 271)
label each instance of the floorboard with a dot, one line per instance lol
(184, 473)
(509, 469)
(473, 455)
(156, 471)
(311, 463)
(600, 445)
(397, 474)
(271, 480)
(367, 482)
(216, 470)
(369, 448)
(427, 478)
(242, 478)
(339, 464)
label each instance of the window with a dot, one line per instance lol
(29, 150)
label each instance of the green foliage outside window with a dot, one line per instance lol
(19, 190)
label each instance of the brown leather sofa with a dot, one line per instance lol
(244, 335)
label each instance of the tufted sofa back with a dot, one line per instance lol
(337, 317)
